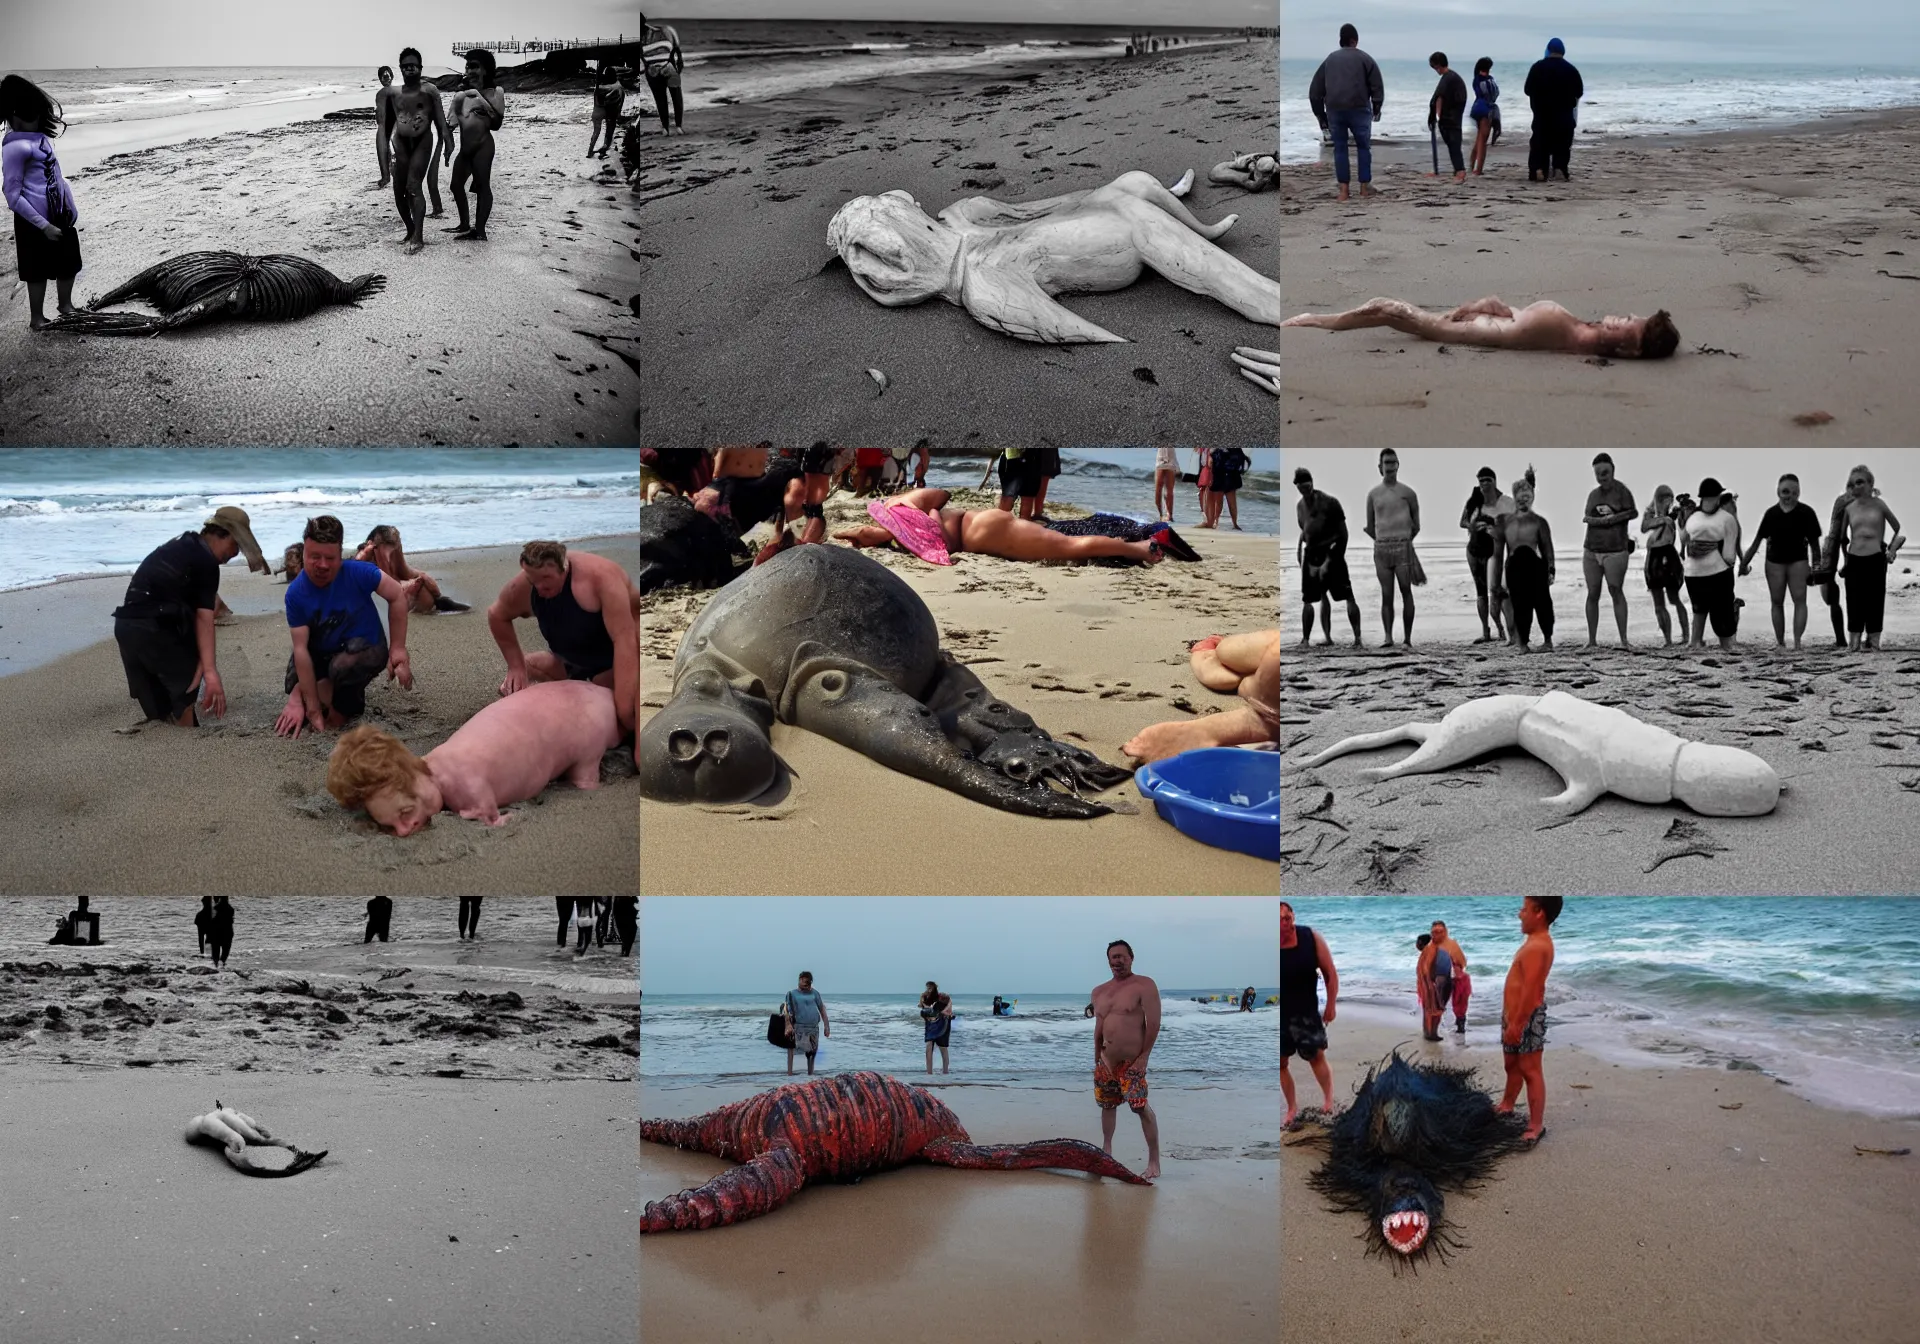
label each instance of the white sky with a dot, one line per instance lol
(1443, 476)
(1146, 13)
(972, 945)
(1866, 32)
(122, 34)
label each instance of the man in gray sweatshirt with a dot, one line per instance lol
(1346, 95)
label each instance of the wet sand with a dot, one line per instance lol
(230, 807)
(1664, 1205)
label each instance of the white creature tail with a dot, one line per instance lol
(1473, 729)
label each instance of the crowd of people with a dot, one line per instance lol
(1348, 94)
(1441, 984)
(1694, 557)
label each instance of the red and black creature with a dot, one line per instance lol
(838, 1128)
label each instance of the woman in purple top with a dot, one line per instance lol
(44, 240)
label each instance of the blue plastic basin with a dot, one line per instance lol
(1220, 796)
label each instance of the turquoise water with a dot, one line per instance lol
(1825, 993)
(72, 515)
(700, 1037)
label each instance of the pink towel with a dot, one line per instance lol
(916, 531)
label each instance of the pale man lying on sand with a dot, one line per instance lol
(1542, 325)
(506, 753)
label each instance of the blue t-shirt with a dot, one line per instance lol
(805, 1005)
(339, 612)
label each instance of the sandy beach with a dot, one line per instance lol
(1787, 259)
(230, 807)
(1838, 729)
(1068, 1257)
(761, 333)
(1094, 654)
(1664, 1205)
(527, 338)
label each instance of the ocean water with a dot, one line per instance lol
(1822, 993)
(701, 1037)
(751, 60)
(1121, 480)
(1623, 98)
(65, 514)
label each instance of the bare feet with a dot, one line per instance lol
(457, 228)
(1153, 1169)
(1231, 728)
(415, 245)
(471, 236)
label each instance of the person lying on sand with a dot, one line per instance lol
(1254, 171)
(1247, 665)
(588, 611)
(338, 645)
(994, 532)
(382, 548)
(506, 753)
(1543, 325)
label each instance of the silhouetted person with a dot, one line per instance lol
(626, 918)
(470, 916)
(222, 930)
(203, 923)
(75, 918)
(602, 920)
(564, 906)
(583, 920)
(379, 916)
(1554, 89)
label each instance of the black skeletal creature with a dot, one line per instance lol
(215, 286)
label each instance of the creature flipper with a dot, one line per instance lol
(1490, 723)
(302, 1161)
(1406, 732)
(108, 324)
(1577, 797)
(1066, 1154)
(746, 1191)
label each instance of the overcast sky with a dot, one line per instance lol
(1867, 32)
(1443, 476)
(974, 945)
(1146, 13)
(121, 34)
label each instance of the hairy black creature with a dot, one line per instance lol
(215, 286)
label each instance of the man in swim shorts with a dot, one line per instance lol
(1523, 1015)
(1322, 555)
(588, 611)
(1610, 508)
(1126, 1023)
(1393, 521)
(338, 645)
(1304, 960)
(164, 626)
(414, 118)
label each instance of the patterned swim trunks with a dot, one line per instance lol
(1128, 1084)
(1533, 1039)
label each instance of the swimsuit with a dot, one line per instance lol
(1533, 1039)
(1302, 1031)
(1528, 590)
(578, 637)
(1112, 1086)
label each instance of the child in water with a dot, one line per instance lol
(45, 242)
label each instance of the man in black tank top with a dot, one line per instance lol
(1303, 958)
(588, 611)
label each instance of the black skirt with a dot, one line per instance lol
(40, 257)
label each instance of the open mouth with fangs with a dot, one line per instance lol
(1405, 1230)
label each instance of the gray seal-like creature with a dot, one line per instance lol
(830, 641)
(214, 286)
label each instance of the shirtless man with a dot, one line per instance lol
(588, 612)
(477, 110)
(1523, 1015)
(1488, 322)
(1126, 1023)
(413, 119)
(1393, 521)
(995, 532)
(609, 96)
(380, 145)
(507, 753)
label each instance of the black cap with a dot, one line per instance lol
(1711, 489)
(1301, 476)
(1486, 474)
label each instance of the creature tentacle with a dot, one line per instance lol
(746, 1191)
(1406, 732)
(1065, 1154)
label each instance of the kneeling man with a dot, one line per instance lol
(338, 645)
(506, 753)
(588, 612)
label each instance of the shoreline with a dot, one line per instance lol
(33, 634)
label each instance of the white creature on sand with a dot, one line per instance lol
(1595, 748)
(1004, 261)
(233, 1130)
